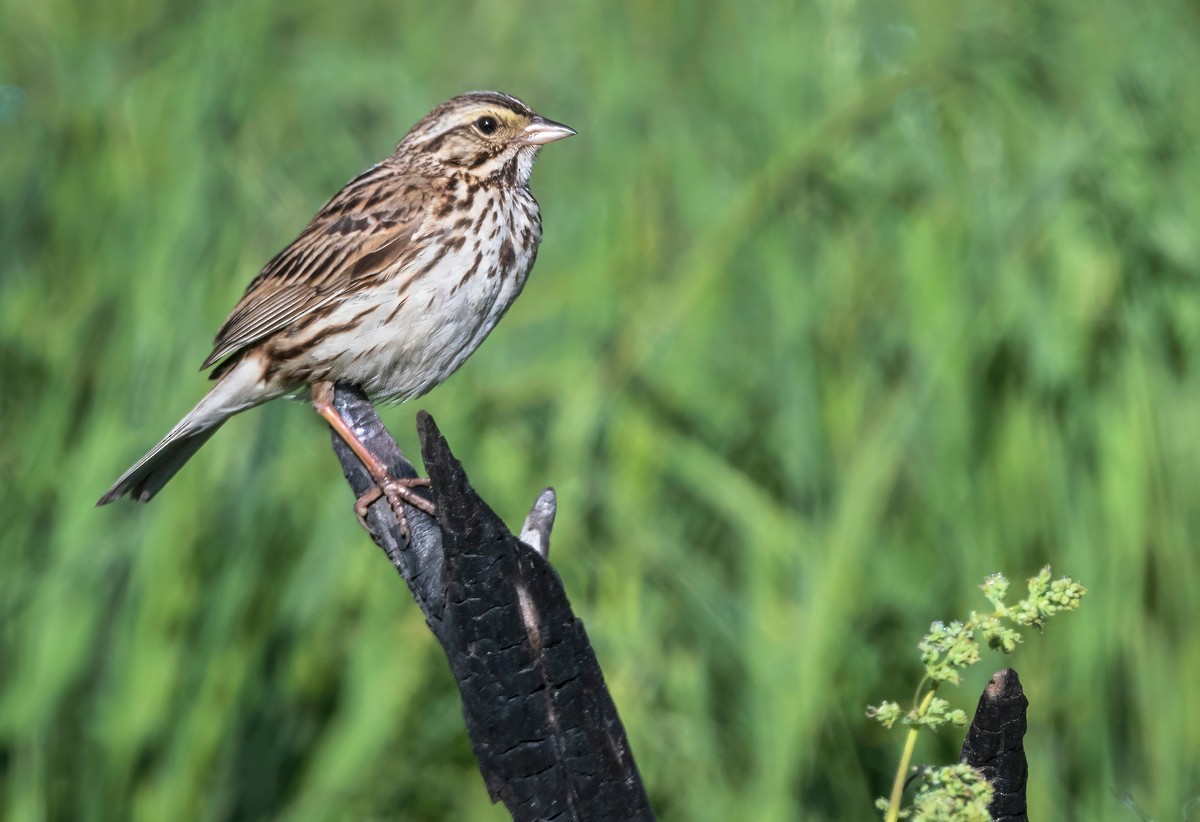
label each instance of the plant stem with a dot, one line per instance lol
(910, 743)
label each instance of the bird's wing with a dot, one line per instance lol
(366, 227)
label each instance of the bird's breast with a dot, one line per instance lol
(420, 325)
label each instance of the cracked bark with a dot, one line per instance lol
(544, 728)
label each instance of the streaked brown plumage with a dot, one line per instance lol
(394, 283)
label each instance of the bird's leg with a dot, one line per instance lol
(397, 491)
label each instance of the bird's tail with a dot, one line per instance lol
(149, 474)
(236, 391)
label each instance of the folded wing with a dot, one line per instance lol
(365, 231)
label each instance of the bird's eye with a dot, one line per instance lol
(486, 125)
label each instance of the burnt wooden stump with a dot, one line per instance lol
(545, 731)
(995, 745)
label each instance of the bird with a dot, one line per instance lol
(394, 283)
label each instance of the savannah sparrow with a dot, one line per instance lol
(393, 284)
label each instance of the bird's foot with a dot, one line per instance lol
(398, 492)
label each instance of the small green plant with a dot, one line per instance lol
(959, 792)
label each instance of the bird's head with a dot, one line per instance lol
(485, 134)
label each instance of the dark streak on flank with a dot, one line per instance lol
(483, 215)
(437, 258)
(470, 272)
(279, 356)
(399, 304)
(508, 254)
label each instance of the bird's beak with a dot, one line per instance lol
(542, 131)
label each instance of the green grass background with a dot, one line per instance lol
(841, 306)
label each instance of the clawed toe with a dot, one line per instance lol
(398, 492)
(403, 489)
(365, 501)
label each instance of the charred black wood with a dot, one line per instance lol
(544, 728)
(995, 745)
